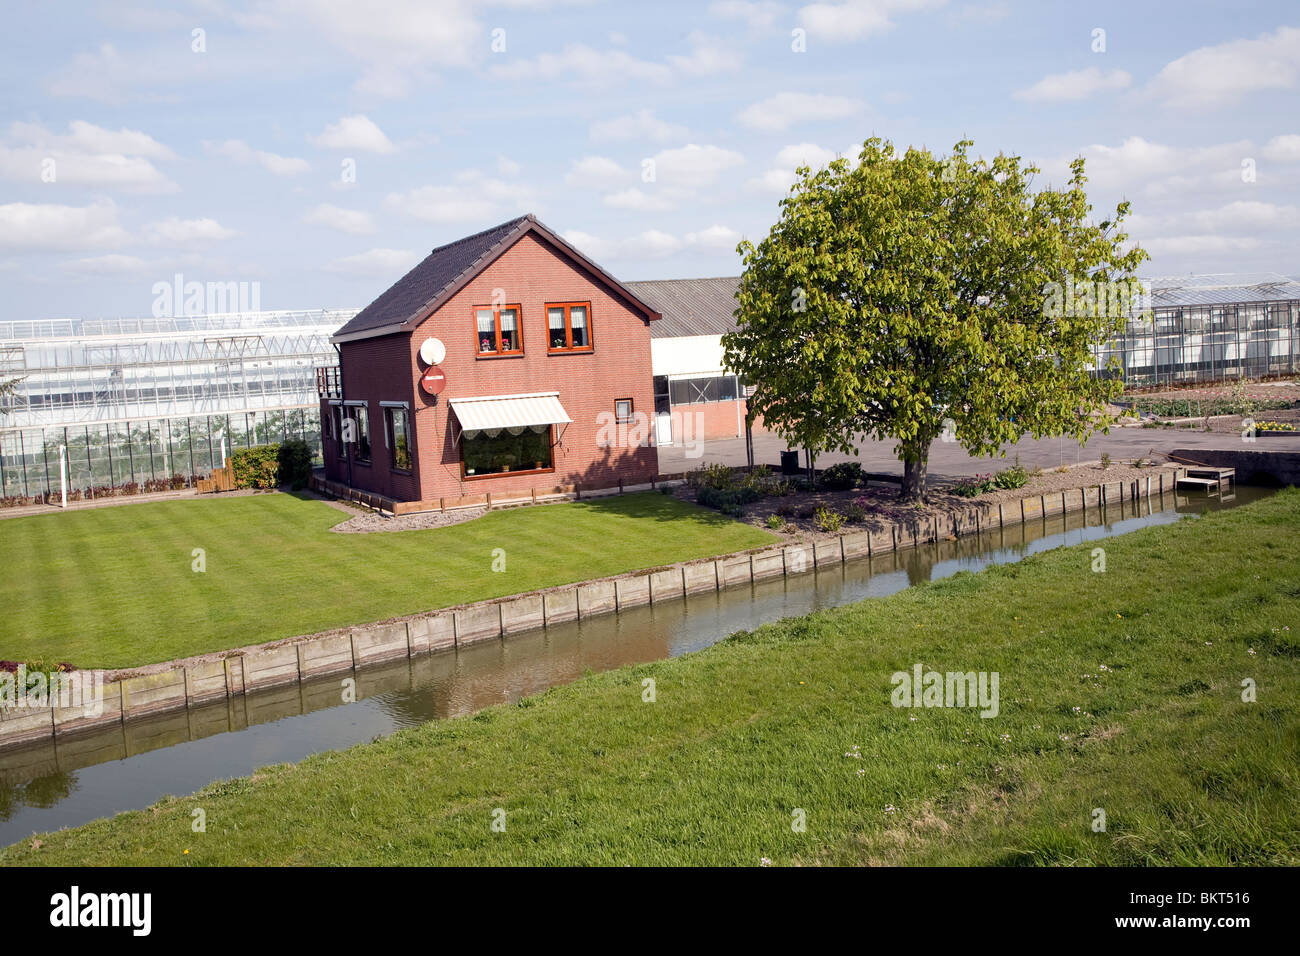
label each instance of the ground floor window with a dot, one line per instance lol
(397, 423)
(697, 391)
(509, 450)
(356, 431)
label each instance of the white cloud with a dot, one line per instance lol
(756, 14)
(354, 133)
(1283, 149)
(655, 243)
(398, 47)
(1227, 72)
(589, 245)
(980, 12)
(856, 19)
(596, 172)
(781, 177)
(1200, 245)
(507, 166)
(471, 197)
(637, 200)
(1139, 167)
(174, 229)
(642, 125)
(241, 152)
(26, 227)
(692, 166)
(714, 239)
(1240, 216)
(87, 155)
(651, 244)
(1076, 85)
(708, 56)
(352, 221)
(580, 63)
(114, 264)
(376, 263)
(107, 76)
(780, 112)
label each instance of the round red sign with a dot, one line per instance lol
(434, 380)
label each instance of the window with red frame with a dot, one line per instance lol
(568, 326)
(498, 330)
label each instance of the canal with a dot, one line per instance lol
(69, 781)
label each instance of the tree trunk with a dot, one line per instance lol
(914, 472)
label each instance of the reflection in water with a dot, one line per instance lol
(68, 781)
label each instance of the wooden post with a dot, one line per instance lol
(534, 493)
(1022, 510)
(1001, 519)
(620, 485)
(1062, 504)
(489, 500)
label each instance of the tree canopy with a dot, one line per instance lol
(914, 296)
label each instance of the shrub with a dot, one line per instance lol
(726, 500)
(1105, 460)
(806, 512)
(785, 511)
(718, 477)
(828, 520)
(293, 463)
(1013, 477)
(974, 486)
(1274, 427)
(774, 522)
(255, 467)
(843, 476)
(856, 513)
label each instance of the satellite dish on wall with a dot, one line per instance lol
(432, 351)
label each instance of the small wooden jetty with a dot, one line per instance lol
(1209, 480)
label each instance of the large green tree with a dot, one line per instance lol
(918, 296)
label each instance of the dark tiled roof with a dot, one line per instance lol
(690, 306)
(446, 269)
(422, 285)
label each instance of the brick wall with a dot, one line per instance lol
(531, 274)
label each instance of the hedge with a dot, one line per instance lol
(256, 467)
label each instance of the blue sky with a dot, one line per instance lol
(133, 148)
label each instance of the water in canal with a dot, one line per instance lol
(70, 781)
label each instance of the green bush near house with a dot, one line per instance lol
(293, 463)
(842, 477)
(256, 467)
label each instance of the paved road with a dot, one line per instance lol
(950, 460)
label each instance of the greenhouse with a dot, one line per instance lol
(147, 404)
(1209, 328)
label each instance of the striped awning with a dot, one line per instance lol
(493, 413)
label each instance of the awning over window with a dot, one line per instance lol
(495, 413)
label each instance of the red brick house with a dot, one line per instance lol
(547, 376)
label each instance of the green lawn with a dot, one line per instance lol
(1119, 691)
(115, 587)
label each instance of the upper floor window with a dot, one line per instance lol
(497, 330)
(568, 326)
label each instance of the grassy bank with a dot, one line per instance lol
(117, 587)
(1119, 691)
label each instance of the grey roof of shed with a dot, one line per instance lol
(446, 269)
(690, 306)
